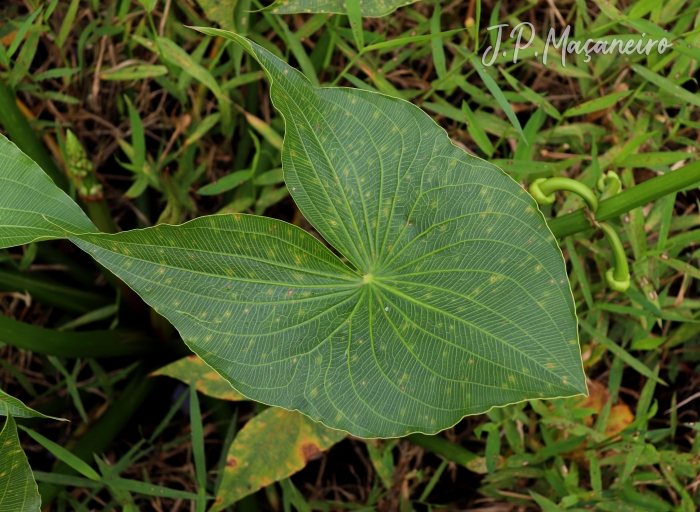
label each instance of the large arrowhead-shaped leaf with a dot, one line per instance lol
(31, 207)
(369, 8)
(454, 297)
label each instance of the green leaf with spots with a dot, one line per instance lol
(451, 296)
(32, 208)
(18, 490)
(272, 446)
(369, 8)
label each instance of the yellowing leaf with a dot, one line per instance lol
(207, 381)
(621, 417)
(273, 445)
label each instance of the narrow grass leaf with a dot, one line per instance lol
(134, 72)
(202, 128)
(655, 159)
(197, 434)
(173, 53)
(61, 453)
(403, 41)
(497, 93)
(228, 182)
(597, 104)
(149, 489)
(21, 32)
(437, 46)
(476, 131)
(271, 177)
(667, 85)
(264, 129)
(620, 352)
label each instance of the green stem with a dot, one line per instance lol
(103, 431)
(79, 344)
(618, 277)
(441, 446)
(21, 133)
(639, 195)
(543, 190)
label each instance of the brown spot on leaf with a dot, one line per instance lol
(231, 461)
(309, 451)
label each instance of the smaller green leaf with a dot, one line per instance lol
(647, 343)
(655, 159)
(173, 53)
(197, 436)
(243, 79)
(226, 183)
(202, 128)
(546, 504)
(149, 4)
(134, 72)
(61, 453)
(476, 131)
(273, 445)
(149, 489)
(498, 95)
(436, 43)
(667, 85)
(264, 129)
(67, 23)
(18, 490)
(530, 95)
(620, 352)
(493, 449)
(192, 370)
(56, 73)
(138, 187)
(403, 41)
(292, 496)
(138, 138)
(268, 197)
(642, 8)
(15, 407)
(596, 104)
(19, 36)
(238, 205)
(272, 177)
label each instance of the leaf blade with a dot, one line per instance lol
(23, 220)
(251, 464)
(419, 312)
(18, 490)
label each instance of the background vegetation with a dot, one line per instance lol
(146, 121)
